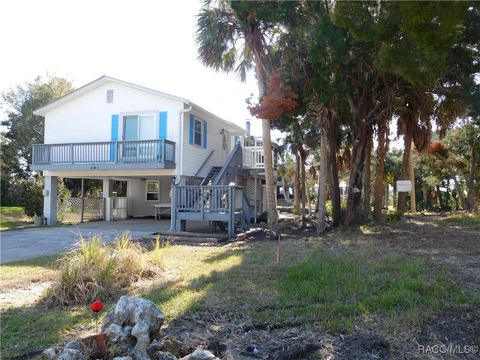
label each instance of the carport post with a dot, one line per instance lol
(106, 191)
(50, 194)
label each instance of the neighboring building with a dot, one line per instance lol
(113, 130)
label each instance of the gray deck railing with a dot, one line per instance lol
(141, 151)
(198, 198)
(210, 203)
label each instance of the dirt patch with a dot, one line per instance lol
(435, 239)
(27, 295)
(455, 327)
(362, 346)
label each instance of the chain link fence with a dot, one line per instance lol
(75, 210)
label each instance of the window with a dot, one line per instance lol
(139, 127)
(197, 132)
(109, 96)
(153, 190)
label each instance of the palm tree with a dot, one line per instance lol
(237, 36)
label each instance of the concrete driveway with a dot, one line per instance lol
(32, 242)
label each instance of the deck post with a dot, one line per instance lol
(231, 212)
(173, 210)
(50, 195)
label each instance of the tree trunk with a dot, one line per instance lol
(366, 193)
(334, 184)
(470, 181)
(440, 198)
(355, 182)
(269, 178)
(322, 184)
(267, 141)
(303, 155)
(296, 186)
(380, 171)
(407, 145)
(286, 194)
(411, 174)
(458, 187)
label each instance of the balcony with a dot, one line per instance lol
(139, 154)
(253, 157)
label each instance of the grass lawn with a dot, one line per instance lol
(13, 217)
(464, 219)
(339, 288)
(20, 273)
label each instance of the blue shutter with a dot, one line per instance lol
(204, 134)
(114, 137)
(190, 137)
(162, 125)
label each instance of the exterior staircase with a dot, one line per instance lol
(211, 176)
(216, 199)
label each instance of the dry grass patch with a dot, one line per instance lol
(96, 270)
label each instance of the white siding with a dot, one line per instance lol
(88, 117)
(194, 155)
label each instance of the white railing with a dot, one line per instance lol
(253, 157)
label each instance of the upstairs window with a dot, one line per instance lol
(197, 133)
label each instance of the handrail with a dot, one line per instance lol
(137, 151)
(203, 164)
(233, 163)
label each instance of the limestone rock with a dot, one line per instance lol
(49, 353)
(122, 358)
(73, 345)
(163, 355)
(71, 354)
(133, 317)
(200, 354)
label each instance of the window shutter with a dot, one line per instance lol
(114, 136)
(190, 138)
(162, 125)
(204, 134)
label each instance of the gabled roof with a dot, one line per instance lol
(105, 79)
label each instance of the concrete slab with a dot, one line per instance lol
(32, 242)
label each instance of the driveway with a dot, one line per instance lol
(32, 242)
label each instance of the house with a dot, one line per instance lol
(174, 157)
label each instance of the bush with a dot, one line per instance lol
(96, 271)
(394, 215)
(32, 196)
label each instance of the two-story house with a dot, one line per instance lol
(114, 130)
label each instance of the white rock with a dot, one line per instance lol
(133, 317)
(71, 354)
(49, 353)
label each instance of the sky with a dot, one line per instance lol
(150, 43)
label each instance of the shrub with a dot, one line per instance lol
(96, 271)
(32, 196)
(394, 215)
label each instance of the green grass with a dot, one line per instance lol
(26, 329)
(339, 291)
(13, 217)
(464, 219)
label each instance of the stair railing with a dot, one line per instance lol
(203, 164)
(232, 166)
